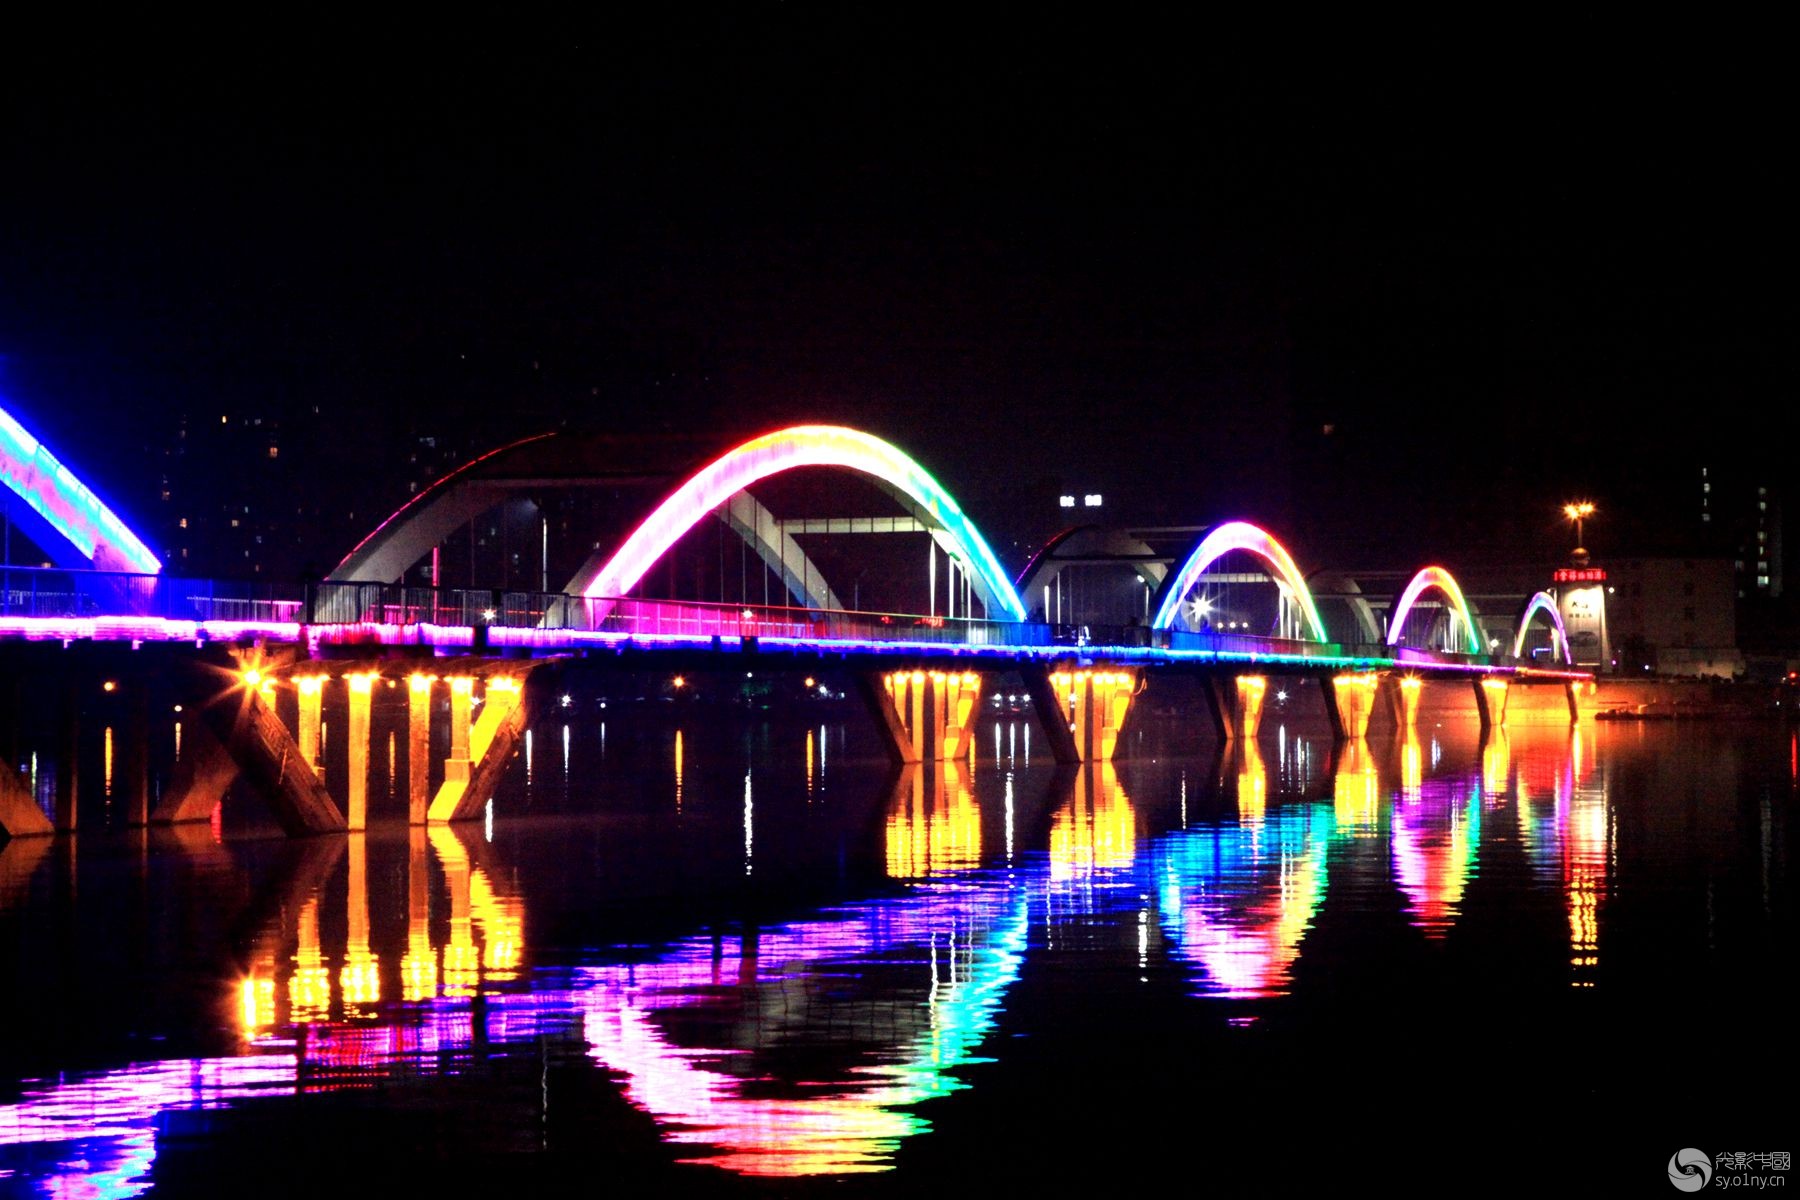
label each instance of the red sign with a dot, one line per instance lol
(1580, 575)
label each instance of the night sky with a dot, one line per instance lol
(1041, 256)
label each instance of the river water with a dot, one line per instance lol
(722, 952)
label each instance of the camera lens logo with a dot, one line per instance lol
(1690, 1169)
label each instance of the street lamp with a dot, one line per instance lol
(1579, 512)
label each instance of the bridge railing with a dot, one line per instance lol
(668, 618)
(52, 592)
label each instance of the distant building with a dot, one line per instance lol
(1741, 516)
(1674, 616)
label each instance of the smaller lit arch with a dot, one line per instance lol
(1445, 583)
(1238, 535)
(1559, 636)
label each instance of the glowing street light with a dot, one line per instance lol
(1578, 512)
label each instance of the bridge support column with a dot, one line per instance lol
(1053, 715)
(1490, 702)
(1584, 700)
(926, 716)
(137, 752)
(356, 799)
(309, 689)
(418, 748)
(485, 748)
(68, 766)
(20, 815)
(203, 773)
(245, 722)
(1402, 694)
(1093, 705)
(1236, 704)
(1349, 701)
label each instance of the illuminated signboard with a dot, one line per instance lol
(1580, 575)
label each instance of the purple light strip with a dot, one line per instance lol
(551, 641)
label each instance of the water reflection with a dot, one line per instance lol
(933, 823)
(700, 1033)
(1434, 837)
(1355, 789)
(1094, 832)
(802, 1045)
(1565, 821)
(1236, 898)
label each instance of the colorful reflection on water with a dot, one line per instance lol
(805, 1046)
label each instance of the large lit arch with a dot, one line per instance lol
(1445, 583)
(1559, 637)
(61, 514)
(785, 450)
(1237, 535)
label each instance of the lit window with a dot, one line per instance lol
(1706, 487)
(184, 522)
(1706, 516)
(1091, 500)
(1762, 581)
(223, 420)
(234, 522)
(274, 451)
(1067, 501)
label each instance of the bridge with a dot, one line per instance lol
(1231, 608)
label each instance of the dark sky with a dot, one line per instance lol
(1082, 255)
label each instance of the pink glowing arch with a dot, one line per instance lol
(784, 450)
(1222, 540)
(1559, 637)
(1445, 583)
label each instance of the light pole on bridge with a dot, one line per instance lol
(1579, 512)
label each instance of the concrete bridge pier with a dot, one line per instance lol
(1349, 702)
(418, 747)
(925, 716)
(1235, 703)
(1083, 710)
(204, 772)
(136, 750)
(479, 749)
(1400, 694)
(245, 723)
(1490, 702)
(68, 766)
(1584, 700)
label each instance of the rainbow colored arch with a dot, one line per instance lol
(1445, 583)
(785, 450)
(1238, 535)
(60, 504)
(1559, 637)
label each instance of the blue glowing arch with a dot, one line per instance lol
(65, 519)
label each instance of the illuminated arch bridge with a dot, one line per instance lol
(921, 674)
(597, 604)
